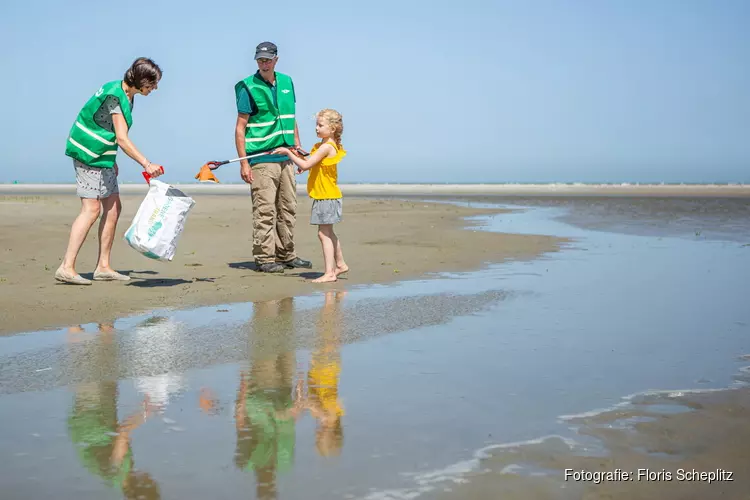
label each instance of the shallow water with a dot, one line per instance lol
(426, 372)
(696, 219)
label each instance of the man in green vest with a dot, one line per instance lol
(266, 120)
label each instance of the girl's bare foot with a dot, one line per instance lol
(342, 269)
(326, 278)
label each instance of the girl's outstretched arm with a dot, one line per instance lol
(306, 164)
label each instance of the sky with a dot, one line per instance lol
(456, 92)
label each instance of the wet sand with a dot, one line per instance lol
(697, 450)
(384, 241)
(223, 341)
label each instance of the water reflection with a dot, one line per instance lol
(323, 378)
(271, 399)
(152, 353)
(267, 407)
(276, 387)
(103, 442)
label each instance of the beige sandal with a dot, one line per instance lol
(73, 280)
(113, 276)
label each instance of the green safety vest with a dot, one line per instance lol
(89, 143)
(273, 125)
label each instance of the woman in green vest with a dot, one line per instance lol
(100, 129)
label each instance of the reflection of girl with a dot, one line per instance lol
(323, 379)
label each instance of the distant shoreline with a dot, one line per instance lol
(552, 189)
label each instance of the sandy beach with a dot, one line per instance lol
(384, 241)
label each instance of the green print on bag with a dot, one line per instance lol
(158, 213)
(153, 229)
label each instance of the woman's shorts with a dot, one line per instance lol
(95, 182)
(326, 211)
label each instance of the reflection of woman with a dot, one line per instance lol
(102, 443)
(323, 379)
(265, 411)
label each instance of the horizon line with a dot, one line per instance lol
(432, 189)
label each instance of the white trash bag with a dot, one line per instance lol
(159, 221)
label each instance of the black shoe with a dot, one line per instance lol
(297, 262)
(271, 267)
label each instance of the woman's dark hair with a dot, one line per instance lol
(141, 72)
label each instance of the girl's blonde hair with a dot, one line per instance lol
(334, 120)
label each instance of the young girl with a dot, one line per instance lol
(323, 189)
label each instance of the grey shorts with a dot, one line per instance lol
(326, 211)
(94, 182)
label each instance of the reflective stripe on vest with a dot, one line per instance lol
(273, 125)
(88, 151)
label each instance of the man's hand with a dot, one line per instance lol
(117, 170)
(246, 172)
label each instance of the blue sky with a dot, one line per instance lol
(471, 91)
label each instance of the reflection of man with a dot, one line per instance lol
(266, 120)
(265, 411)
(103, 443)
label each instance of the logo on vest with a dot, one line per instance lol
(285, 91)
(100, 91)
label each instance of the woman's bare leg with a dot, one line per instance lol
(81, 225)
(107, 226)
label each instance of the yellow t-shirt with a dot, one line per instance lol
(323, 384)
(322, 182)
